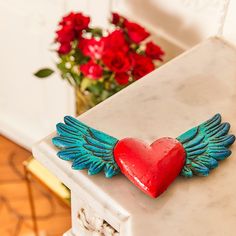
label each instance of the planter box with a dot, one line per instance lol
(181, 94)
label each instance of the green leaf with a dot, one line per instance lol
(77, 78)
(43, 73)
(61, 67)
(105, 94)
(85, 83)
(96, 32)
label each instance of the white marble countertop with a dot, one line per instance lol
(169, 101)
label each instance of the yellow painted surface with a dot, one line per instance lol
(48, 179)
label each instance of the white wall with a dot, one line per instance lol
(30, 108)
(183, 22)
(229, 29)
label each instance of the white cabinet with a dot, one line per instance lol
(169, 101)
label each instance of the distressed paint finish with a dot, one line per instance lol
(205, 146)
(152, 168)
(86, 147)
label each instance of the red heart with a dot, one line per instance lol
(153, 167)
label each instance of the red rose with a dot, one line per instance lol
(142, 65)
(64, 48)
(154, 51)
(115, 18)
(135, 32)
(122, 78)
(68, 20)
(115, 41)
(116, 61)
(81, 22)
(91, 70)
(92, 48)
(77, 21)
(65, 35)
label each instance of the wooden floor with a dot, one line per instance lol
(15, 219)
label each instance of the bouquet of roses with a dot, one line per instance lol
(100, 62)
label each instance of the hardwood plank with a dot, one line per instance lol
(15, 215)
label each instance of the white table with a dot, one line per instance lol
(167, 102)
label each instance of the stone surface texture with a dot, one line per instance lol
(167, 102)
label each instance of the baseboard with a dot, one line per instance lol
(68, 233)
(17, 134)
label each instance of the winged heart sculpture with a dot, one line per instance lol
(152, 168)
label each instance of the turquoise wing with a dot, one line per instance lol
(205, 146)
(86, 147)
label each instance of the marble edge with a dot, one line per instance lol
(42, 150)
